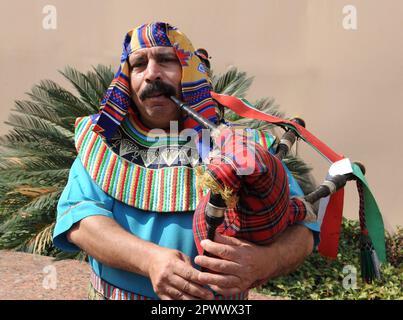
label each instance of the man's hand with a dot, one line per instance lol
(173, 277)
(240, 265)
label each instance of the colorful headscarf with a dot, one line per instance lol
(195, 80)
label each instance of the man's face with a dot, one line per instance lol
(155, 72)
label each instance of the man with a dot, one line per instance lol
(130, 207)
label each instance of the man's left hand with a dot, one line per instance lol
(237, 265)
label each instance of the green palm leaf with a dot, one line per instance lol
(232, 82)
(37, 155)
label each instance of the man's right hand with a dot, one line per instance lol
(174, 278)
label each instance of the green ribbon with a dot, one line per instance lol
(373, 217)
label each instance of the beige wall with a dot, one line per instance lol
(342, 82)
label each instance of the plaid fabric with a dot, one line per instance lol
(264, 208)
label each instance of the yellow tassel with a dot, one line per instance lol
(205, 180)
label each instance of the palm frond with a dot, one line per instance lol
(266, 105)
(232, 82)
(42, 240)
(105, 75)
(49, 94)
(36, 156)
(85, 87)
(30, 108)
(301, 172)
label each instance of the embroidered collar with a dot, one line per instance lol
(165, 189)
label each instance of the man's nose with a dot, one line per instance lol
(153, 71)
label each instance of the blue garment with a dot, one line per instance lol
(82, 197)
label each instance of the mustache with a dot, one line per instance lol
(157, 87)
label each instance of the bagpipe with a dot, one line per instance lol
(257, 207)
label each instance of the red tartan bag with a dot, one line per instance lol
(254, 184)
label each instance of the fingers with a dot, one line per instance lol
(186, 280)
(232, 268)
(223, 251)
(219, 238)
(173, 277)
(221, 280)
(172, 293)
(186, 271)
(223, 284)
(226, 283)
(226, 292)
(219, 265)
(185, 287)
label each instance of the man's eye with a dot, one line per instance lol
(168, 60)
(138, 64)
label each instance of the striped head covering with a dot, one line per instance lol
(195, 81)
